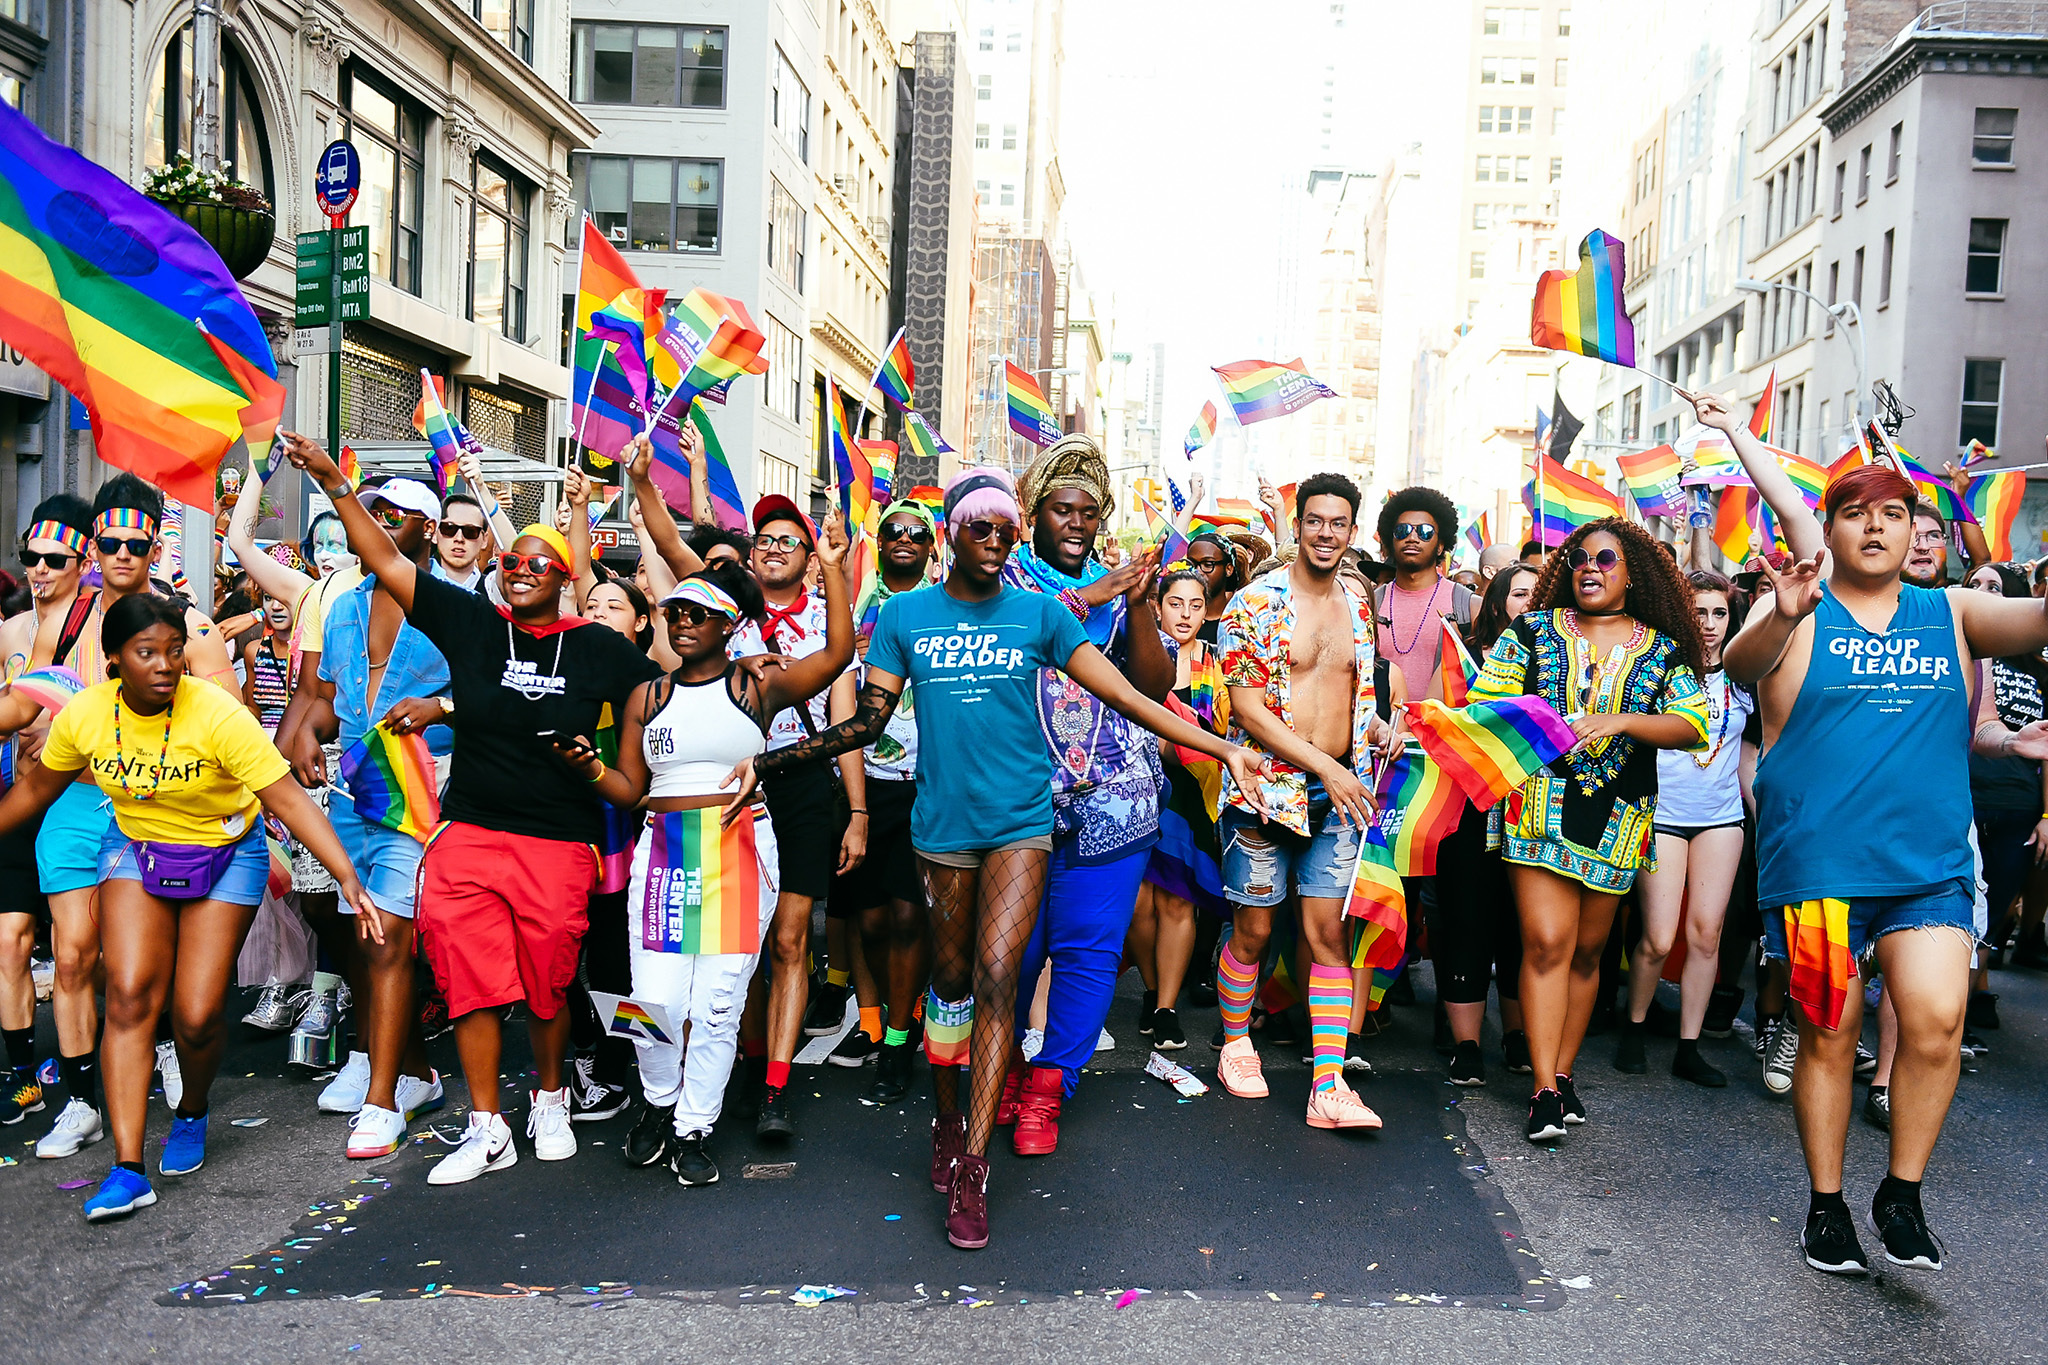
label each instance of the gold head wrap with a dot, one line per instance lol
(1073, 461)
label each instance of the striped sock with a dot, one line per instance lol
(1329, 1013)
(948, 1028)
(1236, 984)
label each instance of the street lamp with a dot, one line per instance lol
(1846, 313)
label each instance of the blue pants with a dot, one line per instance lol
(1081, 926)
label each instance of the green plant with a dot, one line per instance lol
(184, 182)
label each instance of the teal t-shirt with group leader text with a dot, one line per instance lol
(984, 774)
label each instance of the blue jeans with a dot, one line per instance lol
(1951, 905)
(1260, 858)
(1081, 926)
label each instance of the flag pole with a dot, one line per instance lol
(604, 353)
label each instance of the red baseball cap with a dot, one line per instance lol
(776, 507)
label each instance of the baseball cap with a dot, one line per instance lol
(777, 507)
(407, 494)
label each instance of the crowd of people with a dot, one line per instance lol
(1011, 759)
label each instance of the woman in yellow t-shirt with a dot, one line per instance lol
(189, 771)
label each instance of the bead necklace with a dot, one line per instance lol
(1421, 624)
(1717, 715)
(121, 754)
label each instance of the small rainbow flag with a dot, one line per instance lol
(1030, 415)
(924, 442)
(1582, 311)
(725, 489)
(1977, 454)
(1935, 489)
(1287, 493)
(1478, 533)
(1560, 501)
(351, 467)
(1419, 806)
(1652, 478)
(897, 377)
(882, 472)
(712, 340)
(1823, 971)
(1489, 748)
(928, 495)
(1379, 905)
(703, 884)
(1173, 546)
(1741, 518)
(1456, 669)
(1259, 389)
(50, 688)
(1766, 408)
(631, 1019)
(1715, 463)
(1995, 500)
(1208, 695)
(1236, 512)
(1203, 430)
(1206, 771)
(441, 433)
(390, 777)
(601, 275)
(856, 477)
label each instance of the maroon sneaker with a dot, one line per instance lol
(967, 1203)
(949, 1140)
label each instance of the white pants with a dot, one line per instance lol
(706, 993)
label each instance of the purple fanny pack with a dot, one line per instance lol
(181, 872)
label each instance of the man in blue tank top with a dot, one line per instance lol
(1864, 818)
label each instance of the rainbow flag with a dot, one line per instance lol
(1823, 971)
(51, 688)
(724, 488)
(601, 275)
(1236, 512)
(631, 1019)
(1715, 464)
(351, 467)
(1259, 389)
(100, 289)
(441, 433)
(897, 377)
(1740, 517)
(1853, 458)
(1935, 489)
(1173, 546)
(1419, 806)
(390, 777)
(1208, 694)
(948, 1029)
(1489, 748)
(1995, 501)
(1978, 453)
(1560, 501)
(608, 416)
(1582, 311)
(924, 443)
(1206, 771)
(882, 461)
(1202, 432)
(1030, 416)
(855, 476)
(1379, 904)
(1287, 494)
(1478, 534)
(1652, 478)
(930, 497)
(265, 410)
(1810, 478)
(712, 340)
(703, 884)
(633, 322)
(1766, 408)
(1456, 669)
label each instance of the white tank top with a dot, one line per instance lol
(696, 739)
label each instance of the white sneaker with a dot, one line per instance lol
(488, 1146)
(1104, 1043)
(167, 1067)
(1034, 1039)
(77, 1126)
(416, 1097)
(377, 1132)
(548, 1125)
(351, 1085)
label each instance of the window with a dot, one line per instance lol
(649, 203)
(1481, 220)
(1507, 71)
(1560, 69)
(1009, 196)
(1557, 122)
(988, 40)
(1982, 380)
(500, 203)
(1856, 278)
(1632, 415)
(1841, 185)
(782, 388)
(981, 137)
(1991, 139)
(1015, 42)
(1525, 119)
(169, 134)
(981, 88)
(1884, 270)
(981, 192)
(657, 66)
(1485, 118)
(1863, 175)
(1986, 271)
(785, 235)
(1564, 23)
(1556, 169)
(390, 137)
(1891, 162)
(1477, 269)
(789, 108)
(1483, 170)
(510, 22)
(1009, 137)
(1521, 170)
(1834, 292)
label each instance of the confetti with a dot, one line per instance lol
(1128, 1297)
(248, 1123)
(74, 1184)
(812, 1294)
(892, 1217)
(1578, 1282)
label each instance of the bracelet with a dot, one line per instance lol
(862, 810)
(347, 489)
(1072, 597)
(601, 771)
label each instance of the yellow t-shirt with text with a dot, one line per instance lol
(199, 786)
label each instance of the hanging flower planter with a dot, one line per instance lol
(234, 218)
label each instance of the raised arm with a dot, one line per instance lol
(1976, 549)
(279, 580)
(804, 678)
(657, 523)
(1801, 528)
(472, 470)
(703, 512)
(576, 492)
(1774, 618)
(395, 573)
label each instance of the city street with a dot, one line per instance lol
(1663, 1229)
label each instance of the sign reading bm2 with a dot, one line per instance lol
(337, 179)
(324, 256)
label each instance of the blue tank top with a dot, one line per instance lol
(1867, 791)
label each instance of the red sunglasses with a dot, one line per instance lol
(512, 562)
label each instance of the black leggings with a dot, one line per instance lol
(607, 966)
(1475, 937)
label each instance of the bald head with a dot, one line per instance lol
(1493, 559)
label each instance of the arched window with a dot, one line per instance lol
(245, 145)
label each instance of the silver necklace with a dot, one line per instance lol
(512, 656)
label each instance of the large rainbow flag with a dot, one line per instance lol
(1743, 523)
(100, 288)
(1935, 489)
(390, 778)
(1419, 806)
(1260, 389)
(1582, 311)
(1489, 748)
(703, 891)
(1030, 415)
(1995, 500)
(265, 411)
(1560, 501)
(1202, 431)
(1457, 671)
(712, 340)
(633, 322)
(897, 377)
(1652, 478)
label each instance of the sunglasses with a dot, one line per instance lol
(696, 613)
(769, 541)
(915, 534)
(112, 545)
(462, 531)
(512, 562)
(394, 517)
(56, 559)
(1604, 561)
(984, 530)
(1421, 530)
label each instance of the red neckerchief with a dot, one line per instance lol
(554, 627)
(786, 616)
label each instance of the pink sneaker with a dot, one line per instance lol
(1340, 1107)
(1240, 1070)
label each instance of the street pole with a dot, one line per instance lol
(334, 341)
(195, 535)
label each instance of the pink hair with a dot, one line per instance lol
(982, 502)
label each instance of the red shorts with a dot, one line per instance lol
(501, 917)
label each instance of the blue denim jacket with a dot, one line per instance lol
(416, 669)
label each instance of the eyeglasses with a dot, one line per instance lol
(513, 562)
(56, 559)
(984, 530)
(1604, 561)
(1421, 530)
(1206, 564)
(915, 534)
(1927, 537)
(696, 613)
(785, 543)
(113, 545)
(463, 530)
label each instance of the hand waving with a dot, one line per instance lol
(1795, 585)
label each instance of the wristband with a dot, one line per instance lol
(858, 810)
(601, 770)
(347, 489)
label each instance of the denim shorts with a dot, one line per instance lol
(1949, 906)
(387, 862)
(242, 883)
(1261, 858)
(68, 846)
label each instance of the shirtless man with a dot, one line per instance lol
(1298, 649)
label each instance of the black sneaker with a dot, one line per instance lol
(1973, 1046)
(1983, 1011)
(827, 1010)
(1902, 1227)
(1574, 1107)
(20, 1094)
(598, 1101)
(1202, 994)
(855, 1049)
(1514, 1053)
(1877, 1108)
(1546, 1117)
(1688, 1065)
(1831, 1244)
(892, 1076)
(651, 1135)
(1722, 1007)
(1866, 1063)
(691, 1163)
(1147, 1007)
(1167, 1035)
(775, 1121)
(1628, 1051)
(1468, 1067)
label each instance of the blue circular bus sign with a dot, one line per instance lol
(337, 179)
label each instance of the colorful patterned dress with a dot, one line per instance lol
(1187, 860)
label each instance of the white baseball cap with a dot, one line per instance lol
(408, 494)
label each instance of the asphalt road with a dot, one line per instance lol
(1664, 1229)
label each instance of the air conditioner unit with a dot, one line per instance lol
(843, 183)
(879, 226)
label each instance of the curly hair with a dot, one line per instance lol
(1441, 510)
(1658, 594)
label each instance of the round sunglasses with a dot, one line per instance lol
(1604, 561)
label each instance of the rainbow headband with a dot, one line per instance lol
(67, 536)
(124, 519)
(705, 594)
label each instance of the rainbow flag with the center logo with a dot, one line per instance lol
(390, 778)
(1995, 499)
(703, 891)
(1489, 748)
(1652, 477)
(1261, 389)
(1030, 415)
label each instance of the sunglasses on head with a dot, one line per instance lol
(1604, 561)
(896, 531)
(696, 613)
(1421, 530)
(513, 562)
(56, 559)
(768, 540)
(985, 530)
(112, 545)
(462, 530)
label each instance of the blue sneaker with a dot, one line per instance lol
(185, 1149)
(121, 1193)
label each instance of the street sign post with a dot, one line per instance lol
(333, 284)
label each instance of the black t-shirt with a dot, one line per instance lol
(510, 686)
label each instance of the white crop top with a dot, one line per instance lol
(696, 739)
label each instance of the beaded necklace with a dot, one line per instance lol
(1428, 615)
(1717, 714)
(121, 754)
